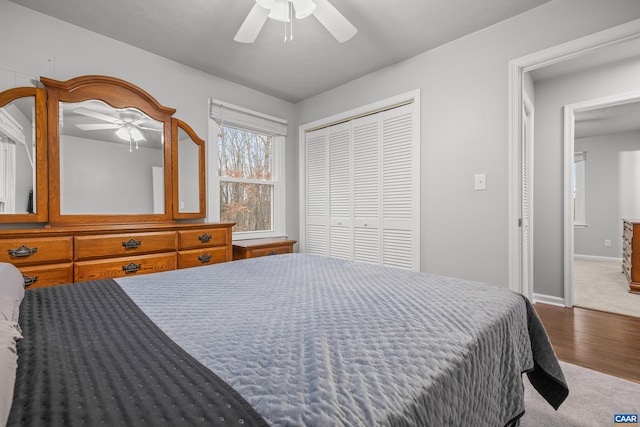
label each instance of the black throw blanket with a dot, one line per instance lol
(90, 356)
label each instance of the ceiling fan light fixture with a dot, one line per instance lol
(123, 133)
(285, 10)
(267, 4)
(303, 8)
(137, 135)
(280, 10)
(129, 132)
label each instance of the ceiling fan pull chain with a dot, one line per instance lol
(291, 21)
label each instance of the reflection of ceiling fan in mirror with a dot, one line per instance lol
(127, 122)
(285, 10)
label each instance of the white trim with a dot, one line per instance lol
(597, 258)
(529, 111)
(413, 95)
(516, 69)
(548, 299)
(569, 142)
(278, 195)
(233, 115)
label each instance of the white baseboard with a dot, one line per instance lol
(597, 258)
(548, 299)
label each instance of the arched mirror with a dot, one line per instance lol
(110, 152)
(189, 174)
(23, 155)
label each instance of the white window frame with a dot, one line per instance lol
(579, 203)
(225, 114)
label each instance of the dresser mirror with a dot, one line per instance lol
(189, 160)
(96, 150)
(108, 160)
(23, 166)
(111, 160)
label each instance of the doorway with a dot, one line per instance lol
(604, 136)
(519, 271)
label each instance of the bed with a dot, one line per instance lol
(289, 340)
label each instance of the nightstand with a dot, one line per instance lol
(254, 248)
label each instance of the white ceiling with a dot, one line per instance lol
(199, 33)
(608, 120)
(600, 121)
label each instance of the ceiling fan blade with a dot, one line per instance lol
(252, 24)
(97, 126)
(146, 128)
(334, 21)
(96, 115)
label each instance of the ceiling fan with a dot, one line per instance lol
(282, 10)
(127, 123)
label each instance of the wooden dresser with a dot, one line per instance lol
(253, 248)
(53, 256)
(631, 253)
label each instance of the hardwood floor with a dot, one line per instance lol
(604, 342)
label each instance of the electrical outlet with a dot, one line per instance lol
(480, 182)
(607, 243)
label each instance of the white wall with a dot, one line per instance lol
(464, 123)
(75, 51)
(86, 165)
(463, 117)
(551, 96)
(612, 191)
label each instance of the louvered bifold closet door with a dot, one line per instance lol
(363, 189)
(317, 203)
(366, 133)
(399, 196)
(340, 192)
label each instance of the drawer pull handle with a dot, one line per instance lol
(131, 267)
(131, 244)
(28, 280)
(22, 251)
(204, 238)
(273, 253)
(204, 258)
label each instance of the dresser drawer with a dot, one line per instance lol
(199, 257)
(125, 266)
(255, 248)
(191, 239)
(255, 253)
(111, 245)
(47, 275)
(36, 250)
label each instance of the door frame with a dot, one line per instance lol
(528, 112)
(517, 68)
(570, 111)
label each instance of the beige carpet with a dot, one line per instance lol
(601, 285)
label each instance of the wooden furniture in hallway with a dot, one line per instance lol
(631, 253)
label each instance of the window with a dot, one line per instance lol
(579, 189)
(248, 187)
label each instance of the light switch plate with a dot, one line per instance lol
(480, 181)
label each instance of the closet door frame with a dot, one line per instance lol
(412, 97)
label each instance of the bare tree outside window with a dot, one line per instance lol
(245, 171)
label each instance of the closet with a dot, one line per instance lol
(362, 189)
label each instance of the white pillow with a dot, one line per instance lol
(9, 334)
(11, 291)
